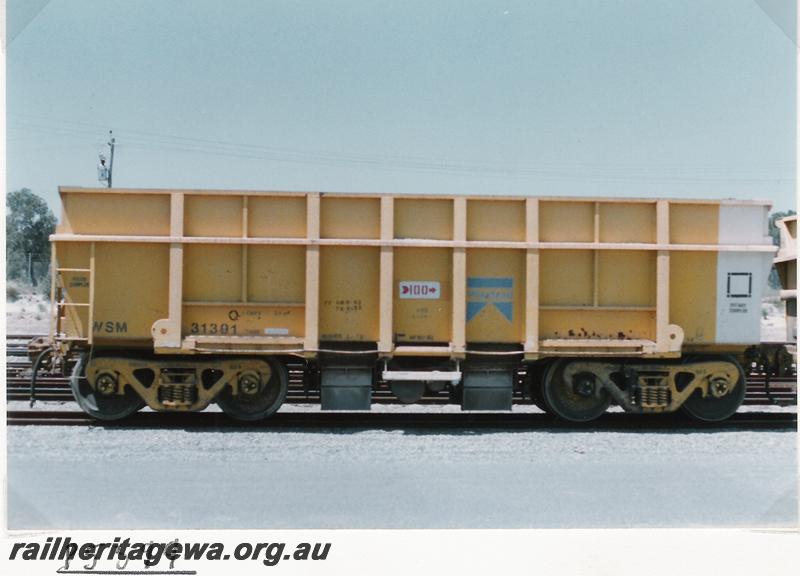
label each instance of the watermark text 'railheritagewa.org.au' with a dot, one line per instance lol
(122, 552)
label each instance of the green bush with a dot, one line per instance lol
(12, 292)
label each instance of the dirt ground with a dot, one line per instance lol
(29, 314)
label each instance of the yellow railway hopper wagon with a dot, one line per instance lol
(180, 298)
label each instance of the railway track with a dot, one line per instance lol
(781, 391)
(405, 421)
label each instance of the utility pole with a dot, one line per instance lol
(111, 160)
(104, 173)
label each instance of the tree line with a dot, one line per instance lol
(774, 282)
(29, 223)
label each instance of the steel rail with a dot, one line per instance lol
(465, 421)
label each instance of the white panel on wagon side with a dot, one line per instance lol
(741, 276)
(743, 224)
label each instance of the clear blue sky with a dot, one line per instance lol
(677, 98)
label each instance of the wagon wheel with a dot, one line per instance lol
(577, 400)
(112, 406)
(715, 407)
(536, 375)
(261, 393)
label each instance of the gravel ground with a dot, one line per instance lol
(240, 478)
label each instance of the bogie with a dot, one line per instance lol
(111, 385)
(708, 389)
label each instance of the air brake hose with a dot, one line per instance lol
(37, 364)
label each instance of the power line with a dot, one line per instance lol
(214, 145)
(138, 139)
(155, 137)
